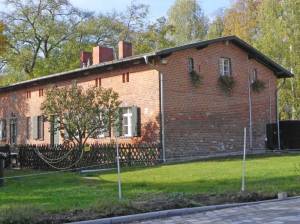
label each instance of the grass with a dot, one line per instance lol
(63, 192)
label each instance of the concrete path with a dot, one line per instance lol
(278, 212)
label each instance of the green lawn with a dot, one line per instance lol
(68, 191)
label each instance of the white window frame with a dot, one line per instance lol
(2, 129)
(254, 75)
(127, 112)
(191, 64)
(225, 67)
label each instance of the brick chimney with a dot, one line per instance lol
(125, 49)
(85, 59)
(102, 54)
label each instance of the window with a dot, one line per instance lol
(129, 122)
(225, 66)
(38, 127)
(125, 77)
(41, 92)
(254, 75)
(28, 94)
(28, 123)
(190, 65)
(98, 82)
(13, 130)
(2, 129)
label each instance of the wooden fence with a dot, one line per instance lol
(99, 155)
(5, 150)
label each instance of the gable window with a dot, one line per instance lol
(98, 82)
(254, 75)
(191, 65)
(225, 66)
(2, 129)
(41, 92)
(28, 94)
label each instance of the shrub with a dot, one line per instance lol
(196, 78)
(226, 83)
(258, 86)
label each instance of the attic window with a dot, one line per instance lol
(41, 92)
(28, 94)
(225, 66)
(125, 77)
(98, 82)
(190, 65)
(254, 75)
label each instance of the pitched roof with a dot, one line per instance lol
(278, 70)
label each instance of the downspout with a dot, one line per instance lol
(277, 110)
(162, 115)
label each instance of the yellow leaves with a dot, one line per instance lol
(3, 40)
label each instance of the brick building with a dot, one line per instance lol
(160, 101)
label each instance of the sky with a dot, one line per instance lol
(158, 8)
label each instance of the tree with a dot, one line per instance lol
(241, 19)
(36, 28)
(154, 38)
(81, 113)
(216, 28)
(3, 40)
(134, 20)
(188, 20)
(279, 38)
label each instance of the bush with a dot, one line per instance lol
(258, 86)
(196, 78)
(226, 83)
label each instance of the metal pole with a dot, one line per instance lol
(250, 112)
(119, 172)
(244, 160)
(1, 171)
(162, 117)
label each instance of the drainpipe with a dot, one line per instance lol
(162, 114)
(277, 117)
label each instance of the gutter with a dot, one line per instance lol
(161, 108)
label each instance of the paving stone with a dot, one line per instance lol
(278, 212)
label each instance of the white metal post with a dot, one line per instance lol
(244, 160)
(162, 117)
(250, 112)
(119, 171)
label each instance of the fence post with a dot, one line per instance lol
(244, 160)
(1, 171)
(119, 170)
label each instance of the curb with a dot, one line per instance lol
(173, 212)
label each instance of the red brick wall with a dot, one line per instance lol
(198, 121)
(203, 120)
(141, 91)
